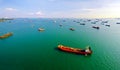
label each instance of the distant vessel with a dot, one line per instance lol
(107, 25)
(96, 27)
(72, 29)
(41, 29)
(77, 22)
(104, 21)
(118, 23)
(60, 25)
(74, 21)
(86, 51)
(82, 23)
(88, 20)
(93, 22)
(6, 35)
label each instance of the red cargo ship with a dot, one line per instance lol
(86, 51)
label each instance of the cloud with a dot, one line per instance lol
(10, 9)
(39, 13)
(36, 14)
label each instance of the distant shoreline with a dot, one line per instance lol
(5, 19)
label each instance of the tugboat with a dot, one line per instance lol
(72, 29)
(41, 29)
(86, 51)
(6, 35)
(96, 27)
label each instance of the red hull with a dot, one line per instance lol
(73, 50)
(6, 35)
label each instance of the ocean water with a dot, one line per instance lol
(29, 49)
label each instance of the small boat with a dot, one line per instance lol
(104, 21)
(118, 23)
(88, 20)
(74, 21)
(60, 25)
(41, 29)
(82, 23)
(6, 35)
(96, 27)
(77, 22)
(72, 29)
(93, 22)
(107, 25)
(86, 51)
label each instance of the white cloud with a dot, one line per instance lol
(10, 9)
(39, 13)
(36, 14)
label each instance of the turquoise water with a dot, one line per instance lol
(29, 49)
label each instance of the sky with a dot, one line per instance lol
(60, 8)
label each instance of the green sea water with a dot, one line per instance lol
(29, 49)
